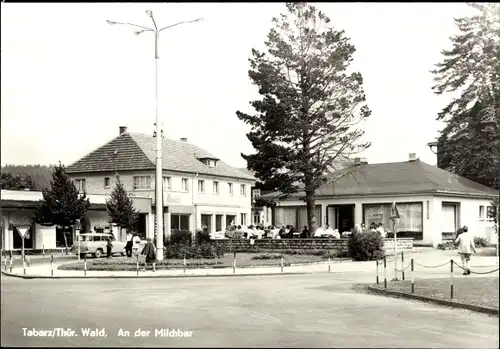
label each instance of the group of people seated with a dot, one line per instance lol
(289, 232)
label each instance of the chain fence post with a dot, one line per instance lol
(376, 261)
(451, 279)
(43, 250)
(385, 271)
(85, 265)
(412, 277)
(403, 265)
(10, 264)
(137, 264)
(281, 261)
(234, 262)
(184, 262)
(51, 264)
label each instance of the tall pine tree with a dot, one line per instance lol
(311, 102)
(469, 145)
(62, 204)
(121, 209)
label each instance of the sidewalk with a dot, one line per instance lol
(421, 259)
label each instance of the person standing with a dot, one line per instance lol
(465, 242)
(109, 247)
(149, 252)
(128, 246)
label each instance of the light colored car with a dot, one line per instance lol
(95, 244)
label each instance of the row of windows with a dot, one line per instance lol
(144, 183)
(181, 221)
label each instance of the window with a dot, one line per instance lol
(107, 182)
(179, 221)
(167, 183)
(243, 190)
(256, 218)
(255, 192)
(218, 222)
(230, 187)
(216, 188)
(491, 213)
(185, 186)
(142, 182)
(201, 186)
(80, 185)
(243, 217)
(481, 212)
(211, 163)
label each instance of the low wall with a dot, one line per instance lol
(242, 245)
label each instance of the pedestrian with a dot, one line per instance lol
(109, 247)
(465, 242)
(149, 252)
(128, 246)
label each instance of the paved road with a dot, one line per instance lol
(320, 310)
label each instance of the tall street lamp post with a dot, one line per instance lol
(159, 173)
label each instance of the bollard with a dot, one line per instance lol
(329, 265)
(137, 264)
(24, 266)
(85, 265)
(184, 262)
(51, 264)
(28, 260)
(282, 262)
(10, 264)
(376, 261)
(43, 250)
(154, 266)
(412, 278)
(385, 272)
(451, 279)
(234, 262)
(403, 265)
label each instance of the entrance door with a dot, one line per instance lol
(341, 217)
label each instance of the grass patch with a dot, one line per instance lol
(480, 291)
(242, 260)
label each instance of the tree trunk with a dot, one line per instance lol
(311, 212)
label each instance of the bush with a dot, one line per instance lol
(204, 250)
(447, 245)
(202, 237)
(480, 241)
(366, 246)
(267, 256)
(180, 237)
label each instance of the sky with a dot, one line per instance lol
(69, 80)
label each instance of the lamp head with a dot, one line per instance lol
(149, 13)
(110, 22)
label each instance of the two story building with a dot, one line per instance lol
(199, 189)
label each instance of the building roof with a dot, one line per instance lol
(134, 151)
(409, 177)
(30, 199)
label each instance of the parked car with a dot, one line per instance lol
(95, 244)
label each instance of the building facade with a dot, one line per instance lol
(198, 188)
(432, 203)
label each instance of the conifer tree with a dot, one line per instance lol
(121, 209)
(62, 204)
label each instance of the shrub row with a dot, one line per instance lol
(203, 250)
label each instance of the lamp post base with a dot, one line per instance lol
(159, 253)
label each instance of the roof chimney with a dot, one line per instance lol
(184, 139)
(412, 157)
(123, 129)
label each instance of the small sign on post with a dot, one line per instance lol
(394, 217)
(22, 230)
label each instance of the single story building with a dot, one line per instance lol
(18, 209)
(432, 203)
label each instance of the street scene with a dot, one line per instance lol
(250, 175)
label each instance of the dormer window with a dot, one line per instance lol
(209, 161)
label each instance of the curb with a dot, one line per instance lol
(148, 276)
(451, 304)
